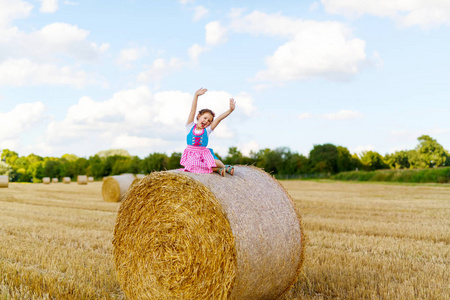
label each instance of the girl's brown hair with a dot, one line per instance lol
(206, 110)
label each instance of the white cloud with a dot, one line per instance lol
(59, 40)
(304, 116)
(184, 2)
(215, 33)
(313, 49)
(71, 3)
(136, 142)
(248, 147)
(23, 72)
(159, 69)
(195, 51)
(140, 120)
(314, 6)
(127, 56)
(135, 112)
(13, 9)
(49, 6)
(424, 13)
(343, 115)
(200, 12)
(18, 120)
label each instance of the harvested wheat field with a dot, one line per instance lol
(365, 241)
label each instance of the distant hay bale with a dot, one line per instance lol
(91, 179)
(66, 180)
(180, 235)
(55, 180)
(114, 187)
(46, 180)
(82, 179)
(4, 181)
(140, 176)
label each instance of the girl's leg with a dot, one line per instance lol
(220, 167)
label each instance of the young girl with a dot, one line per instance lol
(196, 157)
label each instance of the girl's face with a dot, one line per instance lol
(204, 120)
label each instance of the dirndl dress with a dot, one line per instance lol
(197, 158)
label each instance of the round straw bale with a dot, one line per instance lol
(66, 180)
(46, 180)
(82, 179)
(55, 180)
(114, 187)
(181, 235)
(140, 176)
(4, 181)
(91, 179)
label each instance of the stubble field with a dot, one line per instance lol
(365, 241)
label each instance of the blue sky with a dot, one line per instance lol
(84, 76)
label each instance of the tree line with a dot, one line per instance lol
(323, 160)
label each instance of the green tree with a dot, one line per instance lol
(398, 160)
(429, 153)
(96, 166)
(113, 152)
(135, 165)
(373, 161)
(323, 158)
(344, 161)
(155, 162)
(9, 156)
(5, 169)
(234, 157)
(173, 161)
(121, 165)
(52, 167)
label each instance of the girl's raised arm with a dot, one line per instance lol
(191, 117)
(224, 115)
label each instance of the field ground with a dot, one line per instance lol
(366, 241)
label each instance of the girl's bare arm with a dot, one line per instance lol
(191, 116)
(224, 115)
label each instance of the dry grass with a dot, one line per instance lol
(373, 241)
(56, 242)
(366, 241)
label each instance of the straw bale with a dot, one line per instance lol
(46, 180)
(4, 181)
(114, 187)
(66, 180)
(82, 179)
(55, 180)
(140, 176)
(180, 235)
(91, 179)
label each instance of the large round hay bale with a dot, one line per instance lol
(114, 187)
(46, 180)
(82, 179)
(66, 180)
(4, 181)
(180, 235)
(55, 180)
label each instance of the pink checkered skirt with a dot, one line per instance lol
(197, 159)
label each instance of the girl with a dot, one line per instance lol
(196, 157)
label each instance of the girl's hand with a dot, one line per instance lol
(200, 92)
(232, 104)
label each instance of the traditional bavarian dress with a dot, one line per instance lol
(196, 157)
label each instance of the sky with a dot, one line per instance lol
(79, 77)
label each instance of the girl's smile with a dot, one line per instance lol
(204, 120)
